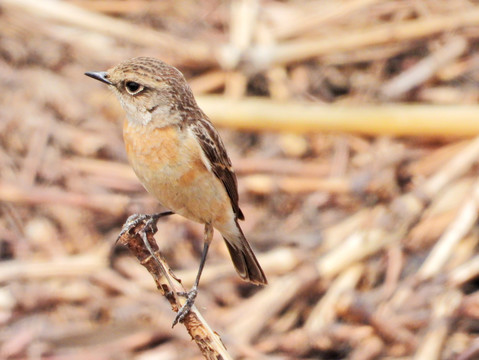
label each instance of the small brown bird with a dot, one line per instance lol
(179, 157)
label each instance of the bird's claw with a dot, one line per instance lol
(135, 219)
(131, 222)
(185, 309)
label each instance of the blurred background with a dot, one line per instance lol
(351, 127)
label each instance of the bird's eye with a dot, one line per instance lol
(133, 88)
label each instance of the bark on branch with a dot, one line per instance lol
(170, 286)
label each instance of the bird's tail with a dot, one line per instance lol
(244, 260)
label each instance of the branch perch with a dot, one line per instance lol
(170, 286)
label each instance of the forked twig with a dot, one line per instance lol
(169, 285)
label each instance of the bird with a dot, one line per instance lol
(180, 159)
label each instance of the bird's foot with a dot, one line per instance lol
(185, 309)
(131, 222)
(149, 220)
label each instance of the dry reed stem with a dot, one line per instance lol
(454, 168)
(440, 213)
(121, 6)
(377, 53)
(456, 230)
(429, 163)
(471, 353)
(357, 247)
(269, 184)
(63, 12)
(243, 19)
(336, 234)
(208, 82)
(323, 314)
(256, 114)
(100, 167)
(264, 57)
(444, 307)
(464, 272)
(424, 69)
(170, 286)
(268, 302)
(303, 168)
(108, 203)
(68, 266)
(310, 19)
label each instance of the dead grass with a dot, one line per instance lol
(351, 126)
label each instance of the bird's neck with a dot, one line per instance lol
(158, 116)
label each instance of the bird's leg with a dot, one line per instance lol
(191, 295)
(151, 224)
(157, 216)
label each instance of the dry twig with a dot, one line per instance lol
(170, 286)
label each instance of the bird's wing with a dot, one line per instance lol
(219, 162)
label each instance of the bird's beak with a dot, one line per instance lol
(99, 75)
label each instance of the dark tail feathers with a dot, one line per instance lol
(245, 262)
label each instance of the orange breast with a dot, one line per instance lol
(169, 165)
(151, 147)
